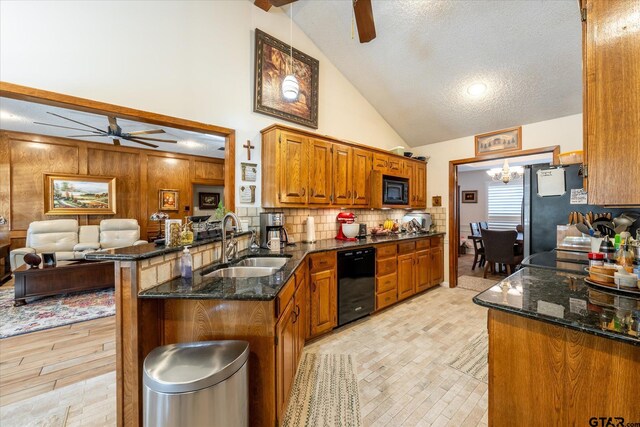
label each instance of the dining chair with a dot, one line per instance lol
(483, 225)
(478, 248)
(499, 249)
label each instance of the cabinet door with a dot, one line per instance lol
(319, 172)
(300, 299)
(423, 270)
(293, 169)
(380, 162)
(437, 265)
(406, 276)
(420, 174)
(342, 182)
(612, 111)
(361, 174)
(323, 302)
(410, 172)
(395, 166)
(286, 363)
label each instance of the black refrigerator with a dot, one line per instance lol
(543, 214)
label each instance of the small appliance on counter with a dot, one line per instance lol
(272, 230)
(422, 219)
(348, 229)
(362, 231)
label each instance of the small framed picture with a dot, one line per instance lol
(499, 141)
(208, 200)
(470, 196)
(436, 201)
(168, 200)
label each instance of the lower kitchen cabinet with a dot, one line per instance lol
(286, 356)
(323, 294)
(406, 276)
(423, 270)
(437, 262)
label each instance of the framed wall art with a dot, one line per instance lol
(168, 200)
(470, 196)
(79, 195)
(208, 200)
(499, 141)
(272, 65)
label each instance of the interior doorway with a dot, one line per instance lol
(455, 202)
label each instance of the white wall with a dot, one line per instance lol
(473, 212)
(186, 59)
(564, 131)
(196, 198)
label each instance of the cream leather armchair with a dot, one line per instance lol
(118, 233)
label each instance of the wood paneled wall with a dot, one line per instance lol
(140, 173)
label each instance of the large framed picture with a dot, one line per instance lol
(208, 200)
(272, 65)
(470, 196)
(168, 200)
(79, 195)
(499, 141)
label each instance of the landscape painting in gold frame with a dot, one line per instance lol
(499, 141)
(79, 195)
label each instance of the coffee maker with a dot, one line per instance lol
(272, 227)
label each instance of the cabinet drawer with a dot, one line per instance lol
(385, 251)
(322, 261)
(385, 266)
(407, 247)
(386, 283)
(385, 299)
(284, 296)
(436, 241)
(423, 244)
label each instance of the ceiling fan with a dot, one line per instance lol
(362, 12)
(114, 131)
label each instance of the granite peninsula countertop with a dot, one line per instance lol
(564, 299)
(259, 288)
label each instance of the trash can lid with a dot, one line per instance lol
(185, 367)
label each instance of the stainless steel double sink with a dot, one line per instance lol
(251, 267)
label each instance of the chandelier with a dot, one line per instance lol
(506, 174)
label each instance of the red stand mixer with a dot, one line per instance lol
(347, 226)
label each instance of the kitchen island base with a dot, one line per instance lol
(542, 374)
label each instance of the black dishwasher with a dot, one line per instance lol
(356, 284)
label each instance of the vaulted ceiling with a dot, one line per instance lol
(417, 71)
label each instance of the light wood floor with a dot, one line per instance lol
(465, 262)
(67, 376)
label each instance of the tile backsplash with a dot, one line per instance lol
(325, 219)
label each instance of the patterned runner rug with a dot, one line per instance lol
(54, 311)
(478, 284)
(324, 393)
(473, 358)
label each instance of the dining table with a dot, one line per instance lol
(519, 238)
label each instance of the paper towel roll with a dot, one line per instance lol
(311, 230)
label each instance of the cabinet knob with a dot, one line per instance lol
(349, 194)
(303, 191)
(355, 194)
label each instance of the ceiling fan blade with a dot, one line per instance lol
(278, 3)
(83, 136)
(75, 121)
(263, 4)
(113, 125)
(67, 127)
(136, 140)
(146, 132)
(116, 142)
(364, 20)
(156, 139)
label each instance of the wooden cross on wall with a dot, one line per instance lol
(249, 147)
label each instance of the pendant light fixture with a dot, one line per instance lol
(506, 174)
(290, 86)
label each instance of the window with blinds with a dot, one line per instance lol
(505, 205)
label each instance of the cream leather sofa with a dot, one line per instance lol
(70, 241)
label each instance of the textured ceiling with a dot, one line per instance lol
(426, 54)
(20, 116)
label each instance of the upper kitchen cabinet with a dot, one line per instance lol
(388, 164)
(361, 175)
(342, 177)
(419, 192)
(319, 172)
(611, 67)
(293, 183)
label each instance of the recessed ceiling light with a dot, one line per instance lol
(477, 89)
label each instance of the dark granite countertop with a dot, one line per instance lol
(563, 299)
(147, 250)
(258, 288)
(570, 262)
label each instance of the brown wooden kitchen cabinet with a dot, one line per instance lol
(611, 91)
(361, 175)
(437, 260)
(386, 276)
(286, 356)
(319, 172)
(293, 183)
(423, 265)
(323, 293)
(342, 176)
(419, 194)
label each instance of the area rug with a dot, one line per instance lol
(52, 312)
(324, 393)
(473, 358)
(477, 284)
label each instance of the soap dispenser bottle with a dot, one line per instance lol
(186, 264)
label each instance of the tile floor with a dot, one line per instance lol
(401, 356)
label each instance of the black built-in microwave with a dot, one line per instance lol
(395, 190)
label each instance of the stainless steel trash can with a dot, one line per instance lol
(197, 384)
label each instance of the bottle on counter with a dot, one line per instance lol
(624, 258)
(186, 235)
(606, 248)
(186, 269)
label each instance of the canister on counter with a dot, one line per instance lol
(595, 259)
